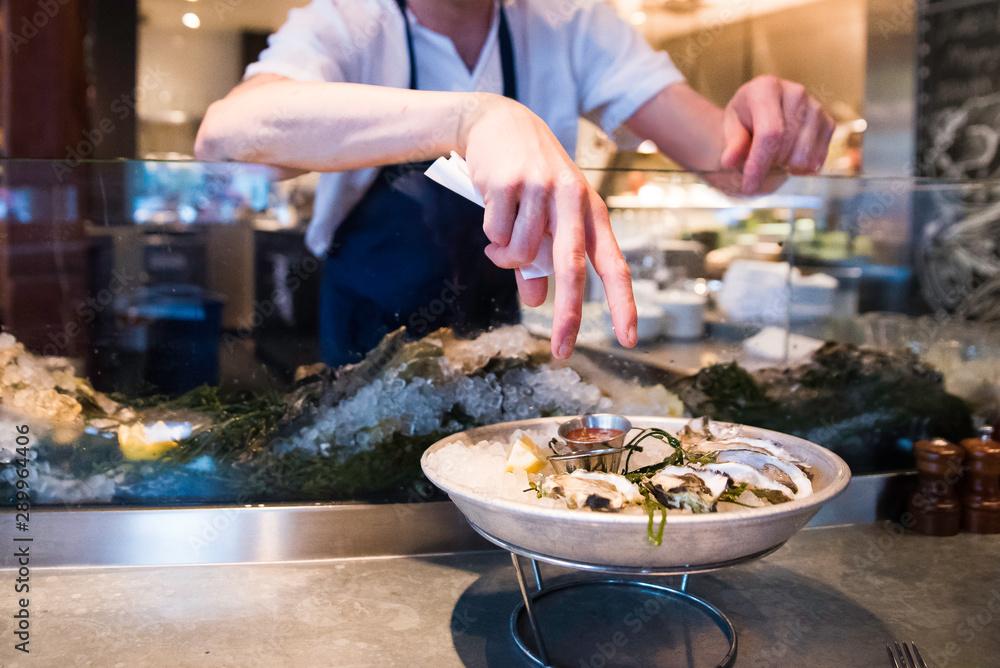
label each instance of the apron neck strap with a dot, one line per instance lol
(506, 53)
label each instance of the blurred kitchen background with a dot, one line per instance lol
(857, 56)
(901, 222)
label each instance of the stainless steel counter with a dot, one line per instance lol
(830, 597)
(280, 533)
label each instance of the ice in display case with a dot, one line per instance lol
(159, 333)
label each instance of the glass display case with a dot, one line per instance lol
(160, 347)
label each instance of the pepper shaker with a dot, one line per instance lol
(981, 501)
(936, 506)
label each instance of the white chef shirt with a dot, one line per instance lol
(573, 58)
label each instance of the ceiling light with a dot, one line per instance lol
(191, 20)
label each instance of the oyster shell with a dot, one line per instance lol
(764, 486)
(684, 487)
(597, 491)
(752, 444)
(703, 429)
(785, 473)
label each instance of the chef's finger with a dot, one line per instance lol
(822, 146)
(736, 142)
(492, 251)
(530, 225)
(610, 265)
(533, 290)
(768, 127)
(801, 159)
(501, 210)
(569, 255)
(798, 109)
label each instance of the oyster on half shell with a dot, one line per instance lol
(597, 491)
(763, 486)
(684, 487)
(783, 472)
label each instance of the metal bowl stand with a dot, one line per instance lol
(527, 606)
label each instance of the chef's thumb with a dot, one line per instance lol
(736, 147)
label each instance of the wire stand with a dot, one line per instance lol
(528, 606)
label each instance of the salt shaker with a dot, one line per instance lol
(936, 506)
(981, 501)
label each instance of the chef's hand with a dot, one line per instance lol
(772, 124)
(530, 187)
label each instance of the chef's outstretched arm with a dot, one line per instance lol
(770, 127)
(529, 184)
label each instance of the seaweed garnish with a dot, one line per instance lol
(533, 487)
(652, 505)
(679, 457)
(653, 432)
(733, 493)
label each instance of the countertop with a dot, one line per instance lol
(829, 597)
(685, 358)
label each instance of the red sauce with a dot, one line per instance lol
(592, 434)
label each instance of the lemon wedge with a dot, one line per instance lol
(141, 442)
(526, 455)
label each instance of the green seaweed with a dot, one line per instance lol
(866, 405)
(240, 424)
(393, 463)
(652, 505)
(733, 493)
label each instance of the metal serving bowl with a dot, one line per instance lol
(619, 539)
(596, 421)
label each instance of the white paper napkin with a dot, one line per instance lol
(453, 174)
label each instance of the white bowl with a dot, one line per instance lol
(649, 319)
(618, 540)
(683, 314)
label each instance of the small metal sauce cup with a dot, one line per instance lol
(608, 460)
(596, 421)
(605, 456)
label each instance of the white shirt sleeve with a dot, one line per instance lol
(615, 69)
(305, 47)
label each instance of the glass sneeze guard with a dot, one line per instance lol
(160, 332)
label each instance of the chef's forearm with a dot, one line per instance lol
(684, 126)
(334, 126)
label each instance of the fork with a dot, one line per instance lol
(905, 656)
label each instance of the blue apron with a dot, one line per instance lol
(410, 253)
